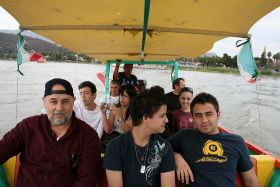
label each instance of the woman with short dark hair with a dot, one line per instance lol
(141, 157)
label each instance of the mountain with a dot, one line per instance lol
(51, 50)
(8, 44)
(209, 55)
(27, 33)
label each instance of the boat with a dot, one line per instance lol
(143, 32)
(266, 166)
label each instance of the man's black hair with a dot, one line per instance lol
(127, 65)
(177, 82)
(145, 104)
(204, 98)
(88, 84)
(157, 90)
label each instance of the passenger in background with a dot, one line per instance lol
(173, 103)
(137, 88)
(183, 117)
(125, 77)
(157, 90)
(107, 101)
(119, 120)
(172, 98)
(87, 110)
(207, 157)
(142, 157)
(57, 148)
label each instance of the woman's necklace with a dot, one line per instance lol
(142, 157)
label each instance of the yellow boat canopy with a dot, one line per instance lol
(138, 29)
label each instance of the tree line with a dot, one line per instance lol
(267, 61)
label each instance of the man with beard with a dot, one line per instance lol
(56, 149)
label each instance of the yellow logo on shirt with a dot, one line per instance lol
(213, 152)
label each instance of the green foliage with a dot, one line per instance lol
(269, 55)
(265, 72)
(263, 60)
(225, 61)
(276, 57)
(71, 57)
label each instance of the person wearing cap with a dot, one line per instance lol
(87, 110)
(57, 148)
(125, 77)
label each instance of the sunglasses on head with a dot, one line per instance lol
(186, 89)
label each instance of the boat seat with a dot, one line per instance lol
(9, 167)
(263, 166)
(239, 180)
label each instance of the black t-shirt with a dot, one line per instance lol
(121, 156)
(213, 159)
(173, 102)
(127, 80)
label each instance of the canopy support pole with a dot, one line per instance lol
(107, 74)
(145, 27)
(174, 64)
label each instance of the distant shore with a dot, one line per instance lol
(266, 73)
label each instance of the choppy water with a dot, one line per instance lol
(247, 110)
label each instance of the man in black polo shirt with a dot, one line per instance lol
(125, 77)
(172, 98)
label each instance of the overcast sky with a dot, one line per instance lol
(265, 33)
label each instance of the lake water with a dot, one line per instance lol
(249, 110)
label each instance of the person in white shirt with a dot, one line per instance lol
(111, 99)
(87, 110)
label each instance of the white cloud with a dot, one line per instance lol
(7, 22)
(265, 33)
